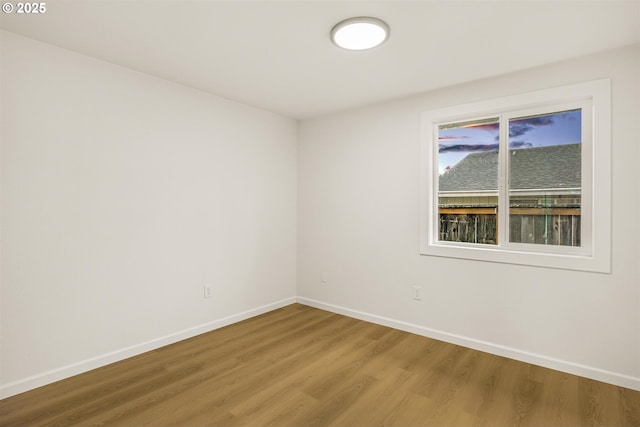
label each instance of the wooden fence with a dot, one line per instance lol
(557, 228)
(471, 228)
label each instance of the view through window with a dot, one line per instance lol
(542, 164)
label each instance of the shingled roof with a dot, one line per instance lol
(552, 167)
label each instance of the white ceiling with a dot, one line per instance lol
(278, 56)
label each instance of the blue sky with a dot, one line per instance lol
(456, 142)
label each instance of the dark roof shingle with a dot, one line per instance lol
(552, 167)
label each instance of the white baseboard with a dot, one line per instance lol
(48, 377)
(512, 353)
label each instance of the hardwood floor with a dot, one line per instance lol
(300, 366)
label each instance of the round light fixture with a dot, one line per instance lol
(359, 33)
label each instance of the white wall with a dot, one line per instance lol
(358, 216)
(122, 195)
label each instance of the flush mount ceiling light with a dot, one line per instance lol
(359, 33)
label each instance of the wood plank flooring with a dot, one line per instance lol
(300, 366)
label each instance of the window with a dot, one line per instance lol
(523, 179)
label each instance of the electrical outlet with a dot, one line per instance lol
(417, 293)
(208, 290)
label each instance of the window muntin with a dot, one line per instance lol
(589, 245)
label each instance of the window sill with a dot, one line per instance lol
(491, 253)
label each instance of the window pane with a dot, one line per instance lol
(468, 181)
(545, 178)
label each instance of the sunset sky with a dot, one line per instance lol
(455, 142)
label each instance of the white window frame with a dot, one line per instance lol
(594, 254)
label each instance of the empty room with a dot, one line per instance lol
(320, 213)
